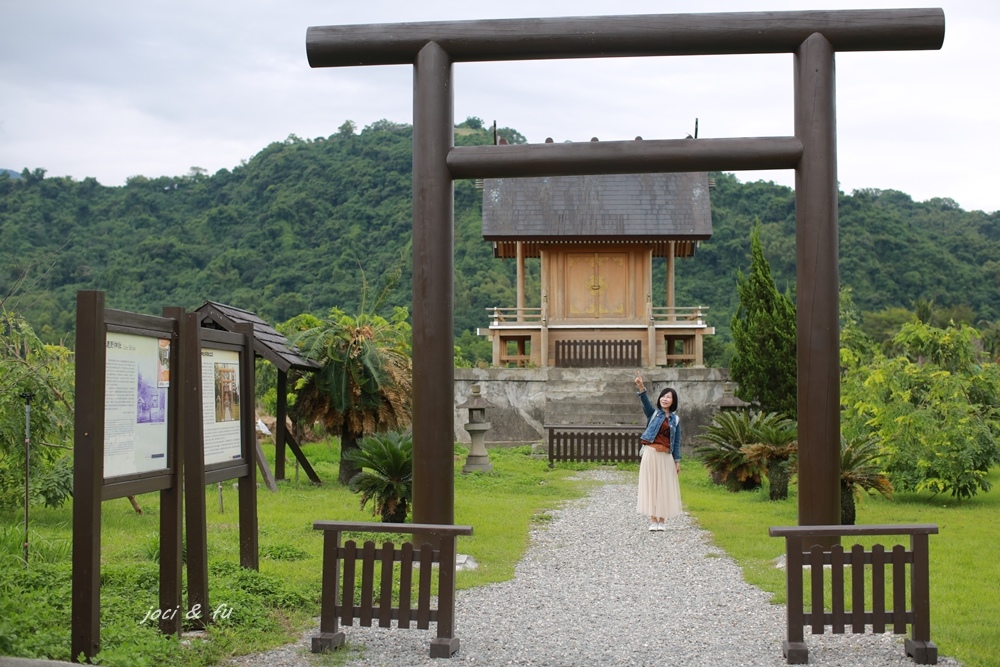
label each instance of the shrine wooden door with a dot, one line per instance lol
(597, 285)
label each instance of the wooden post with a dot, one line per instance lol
(249, 551)
(172, 499)
(671, 300)
(520, 281)
(88, 473)
(817, 284)
(433, 289)
(193, 434)
(543, 351)
(279, 426)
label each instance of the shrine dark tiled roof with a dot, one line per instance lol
(672, 206)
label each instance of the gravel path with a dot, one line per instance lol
(596, 588)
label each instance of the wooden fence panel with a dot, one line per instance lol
(598, 353)
(918, 646)
(593, 444)
(336, 610)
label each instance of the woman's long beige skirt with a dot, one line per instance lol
(659, 488)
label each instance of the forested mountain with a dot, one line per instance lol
(292, 229)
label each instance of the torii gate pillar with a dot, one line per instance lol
(817, 284)
(433, 289)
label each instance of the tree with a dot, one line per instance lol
(859, 473)
(386, 478)
(990, 336)
(364, 383)
(27, 366)
(764, 365)
(934, 409)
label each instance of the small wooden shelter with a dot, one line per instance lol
(275, 348)
(597, 238)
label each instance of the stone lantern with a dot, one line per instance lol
(728, 401)
(478, 458)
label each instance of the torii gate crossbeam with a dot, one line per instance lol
(813, 37)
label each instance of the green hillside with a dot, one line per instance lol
(292, 229)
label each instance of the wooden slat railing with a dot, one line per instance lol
(338, 592)
(802, 552)
(598, 353)
(610, 444)
(515, 315)
(678, 314)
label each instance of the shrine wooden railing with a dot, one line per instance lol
(597, 444)
(598, 353)
(802, 553)
(338, 605)
(515, 315)
(678, 314)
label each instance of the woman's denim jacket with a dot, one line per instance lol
(656, 417)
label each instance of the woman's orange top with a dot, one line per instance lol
(661, 442)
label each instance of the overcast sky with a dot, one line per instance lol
(116, 88)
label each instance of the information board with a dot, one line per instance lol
(220, 382)
(137, 376)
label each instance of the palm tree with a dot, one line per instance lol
(364, 384)
(859, 473)
(722, 452)
(776, 447)
(386, 478)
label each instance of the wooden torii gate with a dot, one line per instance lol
(813, 37)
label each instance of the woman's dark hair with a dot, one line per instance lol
(673, 405)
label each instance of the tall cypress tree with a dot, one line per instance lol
(763, 328)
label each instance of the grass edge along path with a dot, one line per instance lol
(964, 572)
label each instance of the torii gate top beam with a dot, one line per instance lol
(625, 36)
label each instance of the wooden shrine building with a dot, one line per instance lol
(597, 238)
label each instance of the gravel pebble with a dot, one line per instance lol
(597, 588)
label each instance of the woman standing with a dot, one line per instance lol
(659, 488)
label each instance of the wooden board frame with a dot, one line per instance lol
(90, 488)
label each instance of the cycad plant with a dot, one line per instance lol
(722, 450)
(774, 450)
(386, 477)
(859, 473)
(364, 383)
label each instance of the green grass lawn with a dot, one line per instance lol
(273, 606)
(266, 608)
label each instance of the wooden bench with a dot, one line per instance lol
(593, 443)
(802, 552)
(338, 593)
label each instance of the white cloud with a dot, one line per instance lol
(119, 88)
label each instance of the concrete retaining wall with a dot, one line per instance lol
(519, 397)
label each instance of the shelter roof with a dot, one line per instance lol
(268, 343)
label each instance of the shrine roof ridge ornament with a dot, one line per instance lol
(626, 36)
